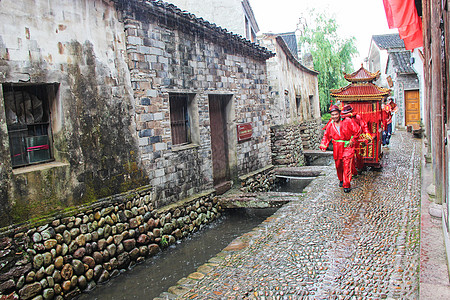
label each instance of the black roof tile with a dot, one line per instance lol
(401, 61)
(388, 41)
(291, 41)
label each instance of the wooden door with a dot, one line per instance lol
(412, 107)
(217, 115)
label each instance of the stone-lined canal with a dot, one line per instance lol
(157, 274)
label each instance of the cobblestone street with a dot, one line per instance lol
(328, 244)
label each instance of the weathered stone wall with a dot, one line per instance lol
(5, 167)
(80, 46)
(294, 92)
(114, 64)
(288, 142)
(287, 146)
(67, 254)
(311, 133)
(262, 180)
(171, 55)
(401, 83)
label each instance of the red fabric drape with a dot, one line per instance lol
(399, 13)
(414, 40)
(365, 110)
(402, 14)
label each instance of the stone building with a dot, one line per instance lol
(388, 54)
(380, 47)
(405, 88)
(293, 87)
(234, 15)
(99, 97)
(297, 111)
(294, 101)
(68, 132)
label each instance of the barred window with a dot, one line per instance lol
(28, 120)
(180, 116)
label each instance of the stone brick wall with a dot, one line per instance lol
(113, 65)
(311, 133)
(288, 142)
(262, 180)
(62, 256)
(170, 56)
(287, 146)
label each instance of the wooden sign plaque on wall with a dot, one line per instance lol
(244, 131)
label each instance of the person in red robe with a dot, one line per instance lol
(343, 134)
(347, 112)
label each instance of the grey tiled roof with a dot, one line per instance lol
(388, 41)
(401, 61)
(291, 41)
(171, 16)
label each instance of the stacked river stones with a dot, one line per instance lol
(71, 254)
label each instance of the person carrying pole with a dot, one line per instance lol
(343, 134)
(347, 112)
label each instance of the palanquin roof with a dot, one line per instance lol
(362, 75)
(360, 91)
(361, 87)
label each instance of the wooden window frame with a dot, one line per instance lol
(30, 133)
(181, 114)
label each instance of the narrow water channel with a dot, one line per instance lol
(292, 185)
(149, 279)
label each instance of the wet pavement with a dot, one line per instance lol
(328, 244)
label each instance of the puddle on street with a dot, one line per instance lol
(153, 277)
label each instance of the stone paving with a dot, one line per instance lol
(328, 244)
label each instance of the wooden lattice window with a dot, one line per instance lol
(28, 120)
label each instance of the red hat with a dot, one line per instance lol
(334, 108)
(346, 109)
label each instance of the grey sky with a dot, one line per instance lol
(358, 18)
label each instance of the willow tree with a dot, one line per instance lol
(331, 54)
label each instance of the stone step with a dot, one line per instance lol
(258, 200)
(306, 171)
(308, 152)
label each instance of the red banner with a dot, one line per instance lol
(402, 14)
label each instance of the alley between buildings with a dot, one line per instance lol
(329, 244)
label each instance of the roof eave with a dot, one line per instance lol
(170, 15)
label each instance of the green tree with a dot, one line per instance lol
(331, 54)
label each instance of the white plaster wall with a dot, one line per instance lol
(284, 75)
(59, 22)
(373, 58)
(418, 67)
(383, 63)
(37, 31)
(226, 14)
(377, 61)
